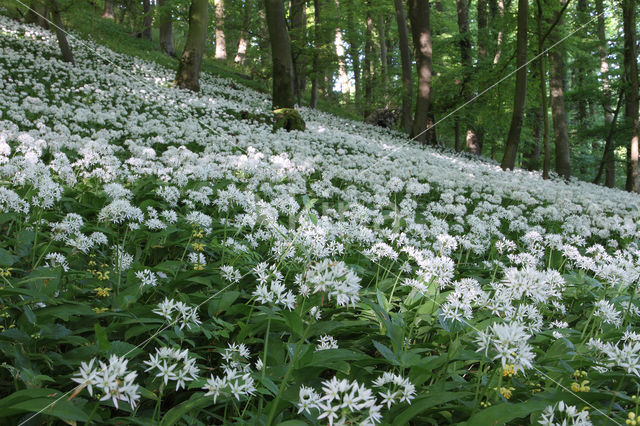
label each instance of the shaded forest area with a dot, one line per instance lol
(548, 85)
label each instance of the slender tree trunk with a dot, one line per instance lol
(166, 28)
(422, 128)
(467, 65)
(475, 135)
(343, 77)
(405, 58)
(38, 14)
(520, 95)
(108, 10)
(580, 70)
(532, 156)
(65, 49)
(354, 53)
(188, 76)
(631, 104)
(500, 37)
(221, 43)
(368, 64)
(382, 41)
(609, 163)
(281, 55)
(147, 20)
(607, 155)
(298, 26)
(317, 39)
(558, 111)
(243, 42)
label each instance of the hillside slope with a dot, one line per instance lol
(177, 229)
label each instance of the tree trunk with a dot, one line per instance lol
(148, 19)
(298, 20)
(607, 155)
(281, 55)
(368, 65)
(65, 49)
(38, 14)
(467, 65)
(354, 53)
(243, 43)
(315, 83)
(382, 41)
(188, 76)
(580, 71)
(631, 98)
(520, 95)
(422, 128)
(558, 111)
(108, 10)
(405, 58)
(609, 163)
(221, 43)
(531, 160)
(477, 133)
(166, 28)
(343, 77)
(500, 37)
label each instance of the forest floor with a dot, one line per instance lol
(166, 257)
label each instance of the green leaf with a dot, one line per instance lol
(505, 412)
(386, 352)
(6, 258)
(101, 338)
(425, 402)
(196, 402)
(34, 400)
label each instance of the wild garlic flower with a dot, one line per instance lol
(396, 389)
(179, 313)
(57, 259)
(326, 342)
(341, 402)
(173, 364)
(147, 278)
(336, 280)
(509, 344)
(562, 414)
(113, 380)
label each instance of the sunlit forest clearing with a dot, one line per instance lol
(322, 212)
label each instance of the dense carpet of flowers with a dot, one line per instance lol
(166, 256)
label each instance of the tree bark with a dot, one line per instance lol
(188, 76)
(65, 49)
(558, 110)
(166, 28)
(531, 158)
(354, 53)
(38, 14)
(382, 41)
(405, 58)
(108, 10)
(317, 40)
(500, 37)
(281, 55)
(520, 95)
(422, 128)
(298, 20)
(467, 64)
(607, 155)
(368, 64)
(148, 19)
(609, 162)
(343, 77)
(580, 70)
(243, 42)
(631, 98)
(221, 43)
